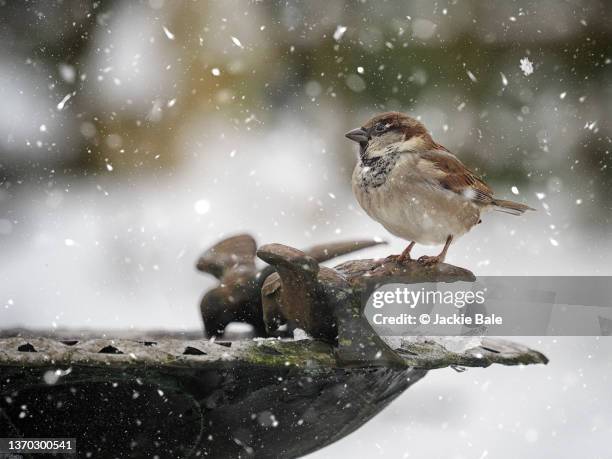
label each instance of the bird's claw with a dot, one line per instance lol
(428, 260)
(397, 259)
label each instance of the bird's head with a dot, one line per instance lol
(386, 129)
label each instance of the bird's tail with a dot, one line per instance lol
(510, 207)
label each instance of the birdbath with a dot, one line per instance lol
(183, 395)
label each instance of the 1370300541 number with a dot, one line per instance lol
(37, 445)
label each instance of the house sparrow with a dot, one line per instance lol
(415, 187)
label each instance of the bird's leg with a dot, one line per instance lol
(426, 260)
(405, 255)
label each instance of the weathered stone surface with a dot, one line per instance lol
(430, 353)
(180, 398)
(328, 302)
(423, 353)
(237, 298)
(362, 274)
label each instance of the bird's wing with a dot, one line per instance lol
(443, 169)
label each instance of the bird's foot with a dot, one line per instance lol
(390, 259)
(399, 259)
(429, 261)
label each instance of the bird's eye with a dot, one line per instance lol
(380, 127)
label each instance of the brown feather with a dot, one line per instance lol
(511, 207)
(454, 176)
(409, 126)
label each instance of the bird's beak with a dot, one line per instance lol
(359, 135)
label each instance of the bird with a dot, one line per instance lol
(416, 188)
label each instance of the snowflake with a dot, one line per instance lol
(526, 66)
(237, 42)
(339, 32)
(169, 34)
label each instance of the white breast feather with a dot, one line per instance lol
(411, 207)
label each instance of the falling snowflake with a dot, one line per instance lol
(67, 72)
(339, 32)
(62, 103)
(216, 71)
(504, 79)
(201, 207)
(526, 66)
(237, 42)
(169, 34)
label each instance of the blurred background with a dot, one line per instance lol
(133, 135)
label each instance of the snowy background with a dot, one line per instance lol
(133, 135)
